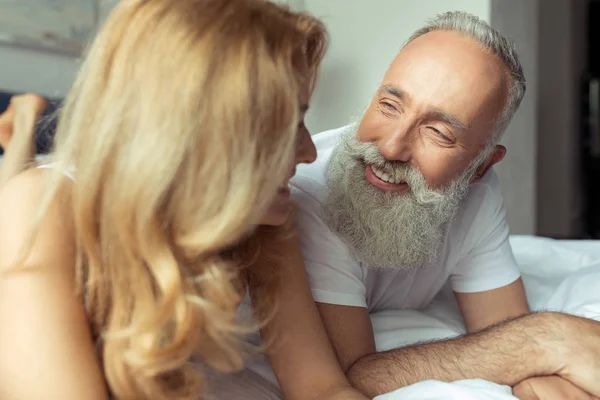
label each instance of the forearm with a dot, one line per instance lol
(342, 393)
(298, 348)
(20, 151)
(506, 354)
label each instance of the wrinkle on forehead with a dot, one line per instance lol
(450, 72)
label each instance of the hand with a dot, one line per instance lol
(549, 388)
(26, 107)
(344, 393)
(574, 344)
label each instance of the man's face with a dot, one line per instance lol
(400, 176)
(436, 108)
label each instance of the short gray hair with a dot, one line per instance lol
(492, 41)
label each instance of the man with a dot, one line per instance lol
(406, 200)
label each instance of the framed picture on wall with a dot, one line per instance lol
(58, 26)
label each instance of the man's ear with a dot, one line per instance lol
(497, 155)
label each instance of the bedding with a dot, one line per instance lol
(558, 276)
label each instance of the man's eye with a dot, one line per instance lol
(388, 106)
(439, 133)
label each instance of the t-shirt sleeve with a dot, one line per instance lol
(487, 262)
(335, 276)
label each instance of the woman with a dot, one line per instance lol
(135, 244)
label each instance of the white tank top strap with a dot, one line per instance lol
(68, 172)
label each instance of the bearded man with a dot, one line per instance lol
(406, 200)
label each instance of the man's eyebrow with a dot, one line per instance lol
(394, 91)
(434, 113)
(448, 118)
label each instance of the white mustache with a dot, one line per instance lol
(385, 229)
(368, 153)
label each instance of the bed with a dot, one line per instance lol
(558, 276)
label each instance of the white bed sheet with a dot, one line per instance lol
(558, 275)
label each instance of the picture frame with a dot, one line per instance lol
(56, 26)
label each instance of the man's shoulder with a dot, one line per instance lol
(481, 205)
(486, 189)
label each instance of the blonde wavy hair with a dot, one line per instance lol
(181, 125)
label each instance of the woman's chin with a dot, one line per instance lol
(275, 219)
(279, 211)
(278, 214)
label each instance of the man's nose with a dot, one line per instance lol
(397, 145)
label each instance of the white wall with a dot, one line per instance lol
(365, 37)
(49, 74)
(23, 70)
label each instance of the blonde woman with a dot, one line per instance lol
(124, 258)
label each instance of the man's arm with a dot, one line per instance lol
(484, 309)
(508, 353)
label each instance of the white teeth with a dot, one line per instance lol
(384, 176)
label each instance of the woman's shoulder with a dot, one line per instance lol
(21, 214)
(44, 326)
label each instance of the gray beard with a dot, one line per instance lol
(385, 229)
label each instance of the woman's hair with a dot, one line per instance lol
(181, 125)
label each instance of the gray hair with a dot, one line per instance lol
(492, 41)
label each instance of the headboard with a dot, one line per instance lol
(46, 126)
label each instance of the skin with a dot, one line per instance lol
(305, 153)
(550, 388)
(17, 133)
(62, 361)
(435, 109)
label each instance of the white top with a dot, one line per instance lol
(68, 172)
(476, 255)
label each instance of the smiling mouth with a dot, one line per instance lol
(382, 180)
(385, 177)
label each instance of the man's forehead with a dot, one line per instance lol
(432, 111)
(442, 53)
(449, 72)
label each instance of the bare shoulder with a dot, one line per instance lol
(46, 347)
(20, 202)
(22, 187)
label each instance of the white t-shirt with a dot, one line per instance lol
(476, 255)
